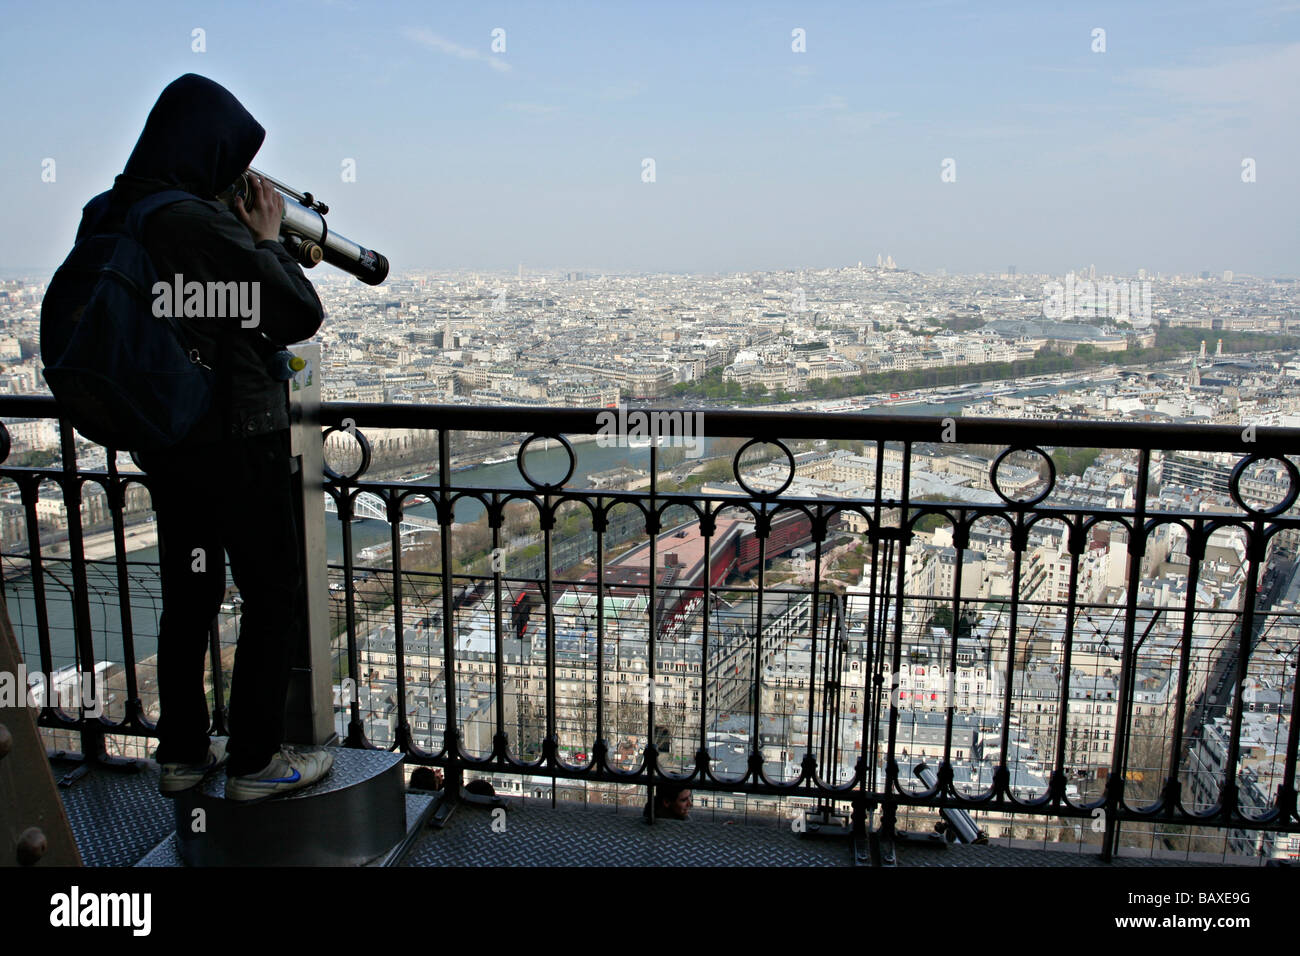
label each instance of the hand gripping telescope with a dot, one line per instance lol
(307, 237)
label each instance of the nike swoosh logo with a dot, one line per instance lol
(294, 779)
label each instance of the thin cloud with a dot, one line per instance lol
(534, 109)
(1207, 116)
(829, 104)
(1040, 68)
(837, 110)
(430, 40)
(624, 92)
(864, 119)
(1249, 78)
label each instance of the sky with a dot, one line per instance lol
(963, 136)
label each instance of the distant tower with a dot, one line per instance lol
(521, 271)
(880, 261)
(1092, 272)
(1194, 377)
(1218, 352)
(1227, 275)
(889, 263)
(1011, 271)
(1202, 350)
(446, 333)
(1142, 273)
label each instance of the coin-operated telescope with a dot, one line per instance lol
(306, 235)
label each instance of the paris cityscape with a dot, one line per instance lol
(1208, 348)
(670, 436)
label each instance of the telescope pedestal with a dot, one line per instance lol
(359, 815)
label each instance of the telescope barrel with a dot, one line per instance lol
(339, 251)
(960, 821)
(303, 225)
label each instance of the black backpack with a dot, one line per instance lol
(122, 376)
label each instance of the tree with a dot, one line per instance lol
(624, 717)
(530, 728)
(38, 458)
(1074, 461)
(942, 617)
(719, 470)
(1146, 770)
(927, 523)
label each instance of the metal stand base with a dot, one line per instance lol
(419, 808)
(826, 823)
(448, 803)
(355, 815)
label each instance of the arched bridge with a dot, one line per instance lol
(369, 505)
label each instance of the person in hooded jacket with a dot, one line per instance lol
(227, 486)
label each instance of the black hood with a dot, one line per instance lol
(198, 138)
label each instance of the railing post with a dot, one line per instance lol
(309, 711)
(92, 728)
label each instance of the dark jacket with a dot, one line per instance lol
(199, 138)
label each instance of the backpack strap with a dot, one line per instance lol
(133, 225)
(144, 208)
(135, 220)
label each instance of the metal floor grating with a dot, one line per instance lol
(596, 836)
(119, 818)
(537, 835)
(116, 817)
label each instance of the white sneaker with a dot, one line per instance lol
(288, 770)
(179, 777)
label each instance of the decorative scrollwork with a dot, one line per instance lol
(1022, 502)
(362, 441)
(522, 463)
(1293, 478)
(753, 492)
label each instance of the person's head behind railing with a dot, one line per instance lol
(670, 802)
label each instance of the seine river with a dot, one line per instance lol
(547, 464)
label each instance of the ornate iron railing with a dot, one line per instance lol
(1110, 653)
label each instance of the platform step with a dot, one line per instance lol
(356, 815)
(418, 808)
